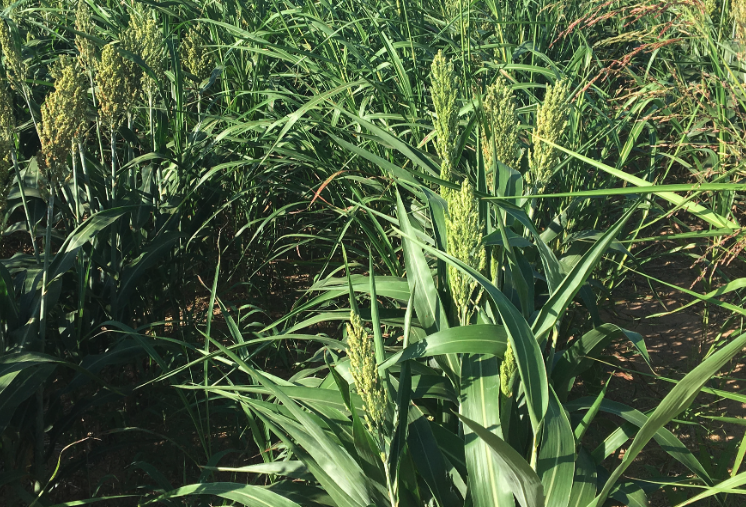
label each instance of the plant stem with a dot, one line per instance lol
(98, 120)
(87, 179)
(31, 227)
(39, 429)
(113, 229)
(76, 194)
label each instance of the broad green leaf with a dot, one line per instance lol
(727, 486)
(584, 483)
(429, 460)
(480, 402)
(428, 307)
(579, 356)
(556, 463)
(251, 496)
(520, 477)
(477, 339)
(338, 463)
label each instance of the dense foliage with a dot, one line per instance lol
(309, 253)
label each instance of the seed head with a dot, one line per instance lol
(7, 129)
(364, 372)
(445, 95)
(507, 368)
(738, 12)
(551, 121)
(62, 116)
(113, 90)
(464, 243)
(195, 57)
(86, 47)
(152, 45)
(143, 38)
(130, 41)
(499, 109)
(460, 19)
(15, 67)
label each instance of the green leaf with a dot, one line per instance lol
(480, 402)
(478, 339)
(520, 477)
(553, 309)
(579, 356)
(556, 463)
(680, 397)
(429, 460)
(697, 210)
(584, 483)
(251, 496)
(667, 440)
(727, 486)
(427, 304)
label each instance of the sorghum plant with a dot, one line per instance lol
(363, 370)
(465, 244)
(445, 96)
(502, 125)
(551, 121)
(197, 59)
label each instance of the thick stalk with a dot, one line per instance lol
(113, 230)
(76, 194)
(98, 120)
(39, 430)
(158, 174)
(86, 178)
(150, 118)
(31, 227)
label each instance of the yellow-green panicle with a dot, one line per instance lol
(195, 57)
(362, 356)
(62, 116)
(86, 47)
(551, 121)
(152, 46)
(7, 129)
(15, 67)
(465, 244)
(502, 121)
(113, 92)
(445, 96)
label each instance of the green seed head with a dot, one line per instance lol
(7, 129)
(445, 95)
(113, 89)
(62, 117)
(364, 372)
(195, 57)
(84, 24)
(152, 45)
(502, 122)
(507, 369)
(465, 244)
(738, 13)
(551, 121)
(15, 67)
(130, 41)
(145, 39)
